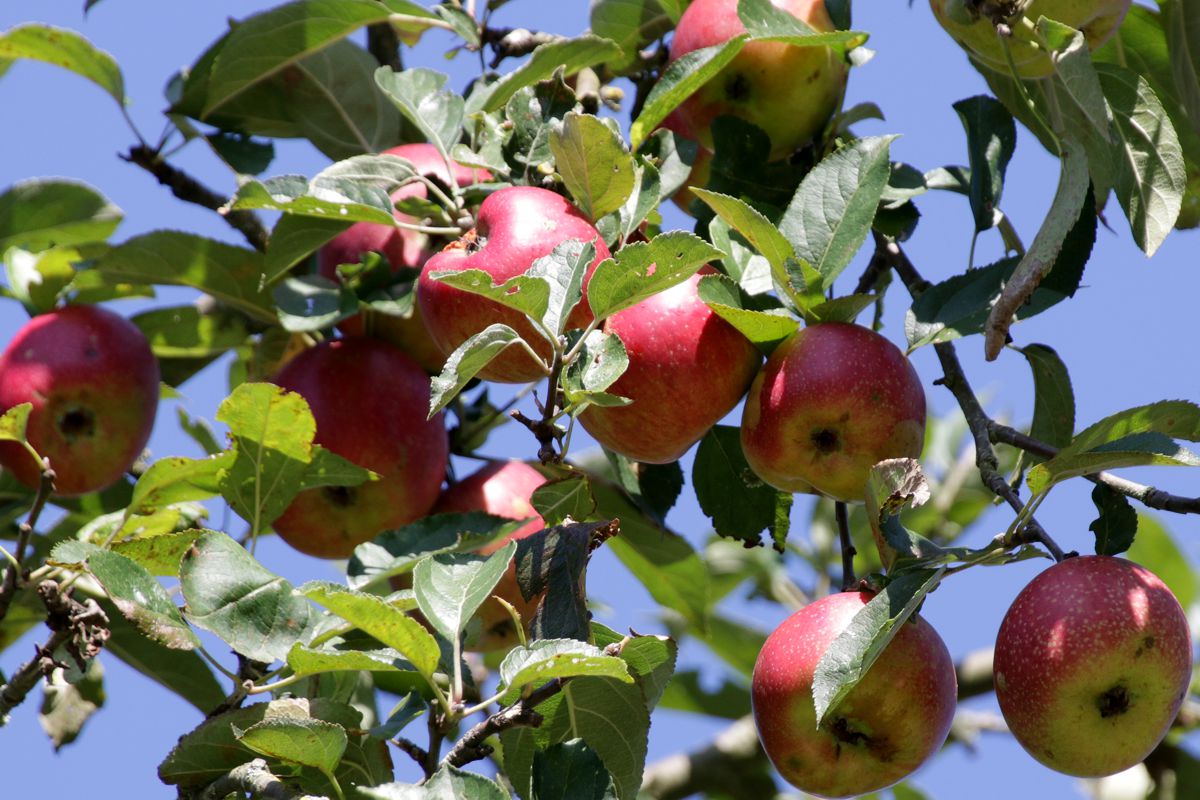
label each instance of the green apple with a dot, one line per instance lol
(1093, 661)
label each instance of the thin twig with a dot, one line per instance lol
(1148, 496)
(253, 778)
(472, 747)
(14, 577)
(548, 435)
(514, 42)
(847, 544)
(955, 379)
(412, 750)
(190, 190)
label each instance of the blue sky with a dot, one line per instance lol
(1128, 338)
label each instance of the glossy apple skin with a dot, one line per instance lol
(369, 401)
(1092, 663)
(93, 383)
(503, 488)
(402, 248)
(688, 368)
(789, 92)
(832, 401)
(1097, 19)
(515, 226)
(894, 719)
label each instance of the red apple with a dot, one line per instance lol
(503, 488)
(402, 248)
(832, 401)
(895, 718)
(516, 226)
(790, 92)
(1092, 663)
(369, 401)
(93, 383)
(688, 368)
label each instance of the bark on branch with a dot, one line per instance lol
(254, 778)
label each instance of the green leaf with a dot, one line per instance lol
(1117, 524)
(230, 594)
(66, 707)
(312, 303)
(373, 615)
(293, 239)
(67, 49)
(541, 661)
(1070, 201)
(594, 164)
(831, 213)
(600, 362)
(679, 81)
(451, 587)
(1139, 450)
(651, 661)
(422, 98)
(467, 360)
(662, 561)
(570, 771)
(159, 554)
(643, 269)
(1054, 399)
(1178, 419)
(231, 274)
(1156, 549)
(991, 140)
(138, 596)
(272, 432)
(177, 480)
(14, 421)
(570, 55)
(757, 229)
(212, 750)
(851, 655)
(522, 293)
(262, 45)
(686, 692)
(765, 328)
(1182, 27)
(653, 487)
(553, 563)
(563, 271)
(644, 198)
(183, 672)
(842, 309)
(41, 213)
(448, 783)
(398, 551)
(533, 112)
(185, 332)
(766, 22)
(1151, 174)
(307, 742)
(631, 24)
(740, 505)
(38, 280)
(303, 660)
(557, 500)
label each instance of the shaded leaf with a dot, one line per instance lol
(1117, 524)
(450, 587)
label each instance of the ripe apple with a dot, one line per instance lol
(402, 248)
(503, 488)
(1097, 19)
(93, 383)
(688, 368)
(369, 401)
(833, 400)
(895, 718)
(1092, 663)
(790, 92)
(516, 226)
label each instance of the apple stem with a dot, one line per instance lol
(847, 543)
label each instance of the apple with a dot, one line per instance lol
(93, 383)
(790, 92)
(1092, 663)
(1097, 19)
(895, 718)
(688, 368)
(833, 400)
(515, 226)
(503, 488)
(369, 401)
(402, 248)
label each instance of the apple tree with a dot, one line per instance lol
(481, 348)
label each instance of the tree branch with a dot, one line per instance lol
(82, 628)
(1146, 495)
(190, 190)
(733, 764)
(15, 574)
(471, 747)
(847, 545)
(954, 379)
(514, 42)
(254, 778)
